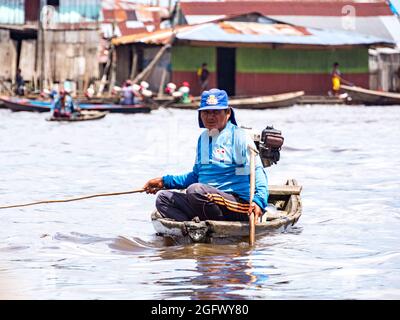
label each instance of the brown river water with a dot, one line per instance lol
(345, 245)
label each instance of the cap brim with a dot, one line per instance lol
(217, 107)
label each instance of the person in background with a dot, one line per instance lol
(337, 79)
(63, 105)
(202, 74)
(127, 93)
(398, 79)
(145, 92)
(218, 187)
(185, 93)
(336, 76)
(20, 83)
(90, 91)
(170, 88)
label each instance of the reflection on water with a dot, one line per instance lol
(345, 245)
(223, 271)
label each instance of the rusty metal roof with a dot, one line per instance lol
(158, 37)
(130, 18)
(237, 33)
(374, 18)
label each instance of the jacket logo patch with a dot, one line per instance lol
(220, 154)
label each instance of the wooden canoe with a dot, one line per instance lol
(262, 102)
(285, 198)
(82, 116)
(23, 104)
(116, 108)
(371, 97)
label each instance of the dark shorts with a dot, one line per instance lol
(201, 201)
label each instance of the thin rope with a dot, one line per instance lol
(72, 199)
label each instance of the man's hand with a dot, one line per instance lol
(153, 185)
(254, 208)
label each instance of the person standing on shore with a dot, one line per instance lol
(20, 83)
(203, 74)
(336, 77)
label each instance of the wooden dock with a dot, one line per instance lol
(307, 99)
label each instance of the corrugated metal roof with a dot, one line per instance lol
(75, 11)
(235, 27)
(130, 18)
(196, 19)
(250, 33)
(374, 18)
(214, 32)
(118, 4)
(12, 12)
(382, 27)
(158, 37)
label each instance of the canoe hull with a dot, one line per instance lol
(211, 231)
(21, 104)
(83, 116)
(283, 100)
(371, 97)
(116, 108)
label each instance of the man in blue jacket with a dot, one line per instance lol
(218, 187)
(63, 105)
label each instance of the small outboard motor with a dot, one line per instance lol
(269, 144)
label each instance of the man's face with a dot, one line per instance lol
(215, 119)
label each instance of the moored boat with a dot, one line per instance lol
(285, 199)
(371, 97)
(261, 102)
(23, 104)
(81, 116)
(116, 108)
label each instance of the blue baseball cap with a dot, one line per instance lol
(215, 99)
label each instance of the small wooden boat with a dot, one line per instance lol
(106, 100)
(116, 108)
(163, 99)
(23, 104)
(285, 198)
(81, 116)
(371, 97)
(262, 102)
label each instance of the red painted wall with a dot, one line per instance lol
(312, 84)
(295, 8)
(264, 84)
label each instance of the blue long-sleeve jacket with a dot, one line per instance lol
(56, 104)
(223, 162)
